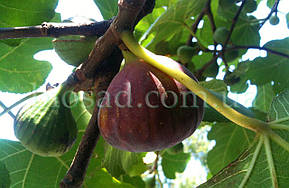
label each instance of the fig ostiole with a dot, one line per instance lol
(145, 110)
(45, 125)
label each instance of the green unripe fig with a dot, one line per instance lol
(212, 70)
(176, 149)
(221, 34)
(274, 20)
(74, 50)
(231, 55)
(250, 6)
(185, 53)
(45, 126)
(79, 110)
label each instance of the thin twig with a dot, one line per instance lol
(5, 108)
(234, 22)
(261, 48)
(273, 9)
(8, 109)
(213, 25)
(77, 170)
(155, 165)
(197, 22)
(56, 30)
(210, 16)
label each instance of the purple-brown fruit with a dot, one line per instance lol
(145, 110)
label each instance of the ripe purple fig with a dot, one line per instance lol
(146, 110)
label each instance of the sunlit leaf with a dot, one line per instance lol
(108, 8)
(264, 97)
(4, 176)
(16, 13)
(119, 162)
(264, 163)
(173, 20)
(174, 163)
(231, 141)
(19, 72)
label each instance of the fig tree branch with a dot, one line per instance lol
(210, 16)
(273, 9)
(130, 12)
(76, 172)
(125, 20)
(234, 22)
(261, 48)
(197, 21)
(56, 30)
(6, 109)
(102, 65)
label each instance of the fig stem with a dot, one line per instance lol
(8, 109)
(168, 65)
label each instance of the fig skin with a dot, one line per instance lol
(139, 126)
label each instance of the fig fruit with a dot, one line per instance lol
(145, 110)
(45, 126)
(274, 20)
(73, 49)
(185, 53)
(221, 34)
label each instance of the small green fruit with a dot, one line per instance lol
(185, 53)
(176, 149)
(274, 20)
(46, 126)
(74, 50)
(221, 34)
